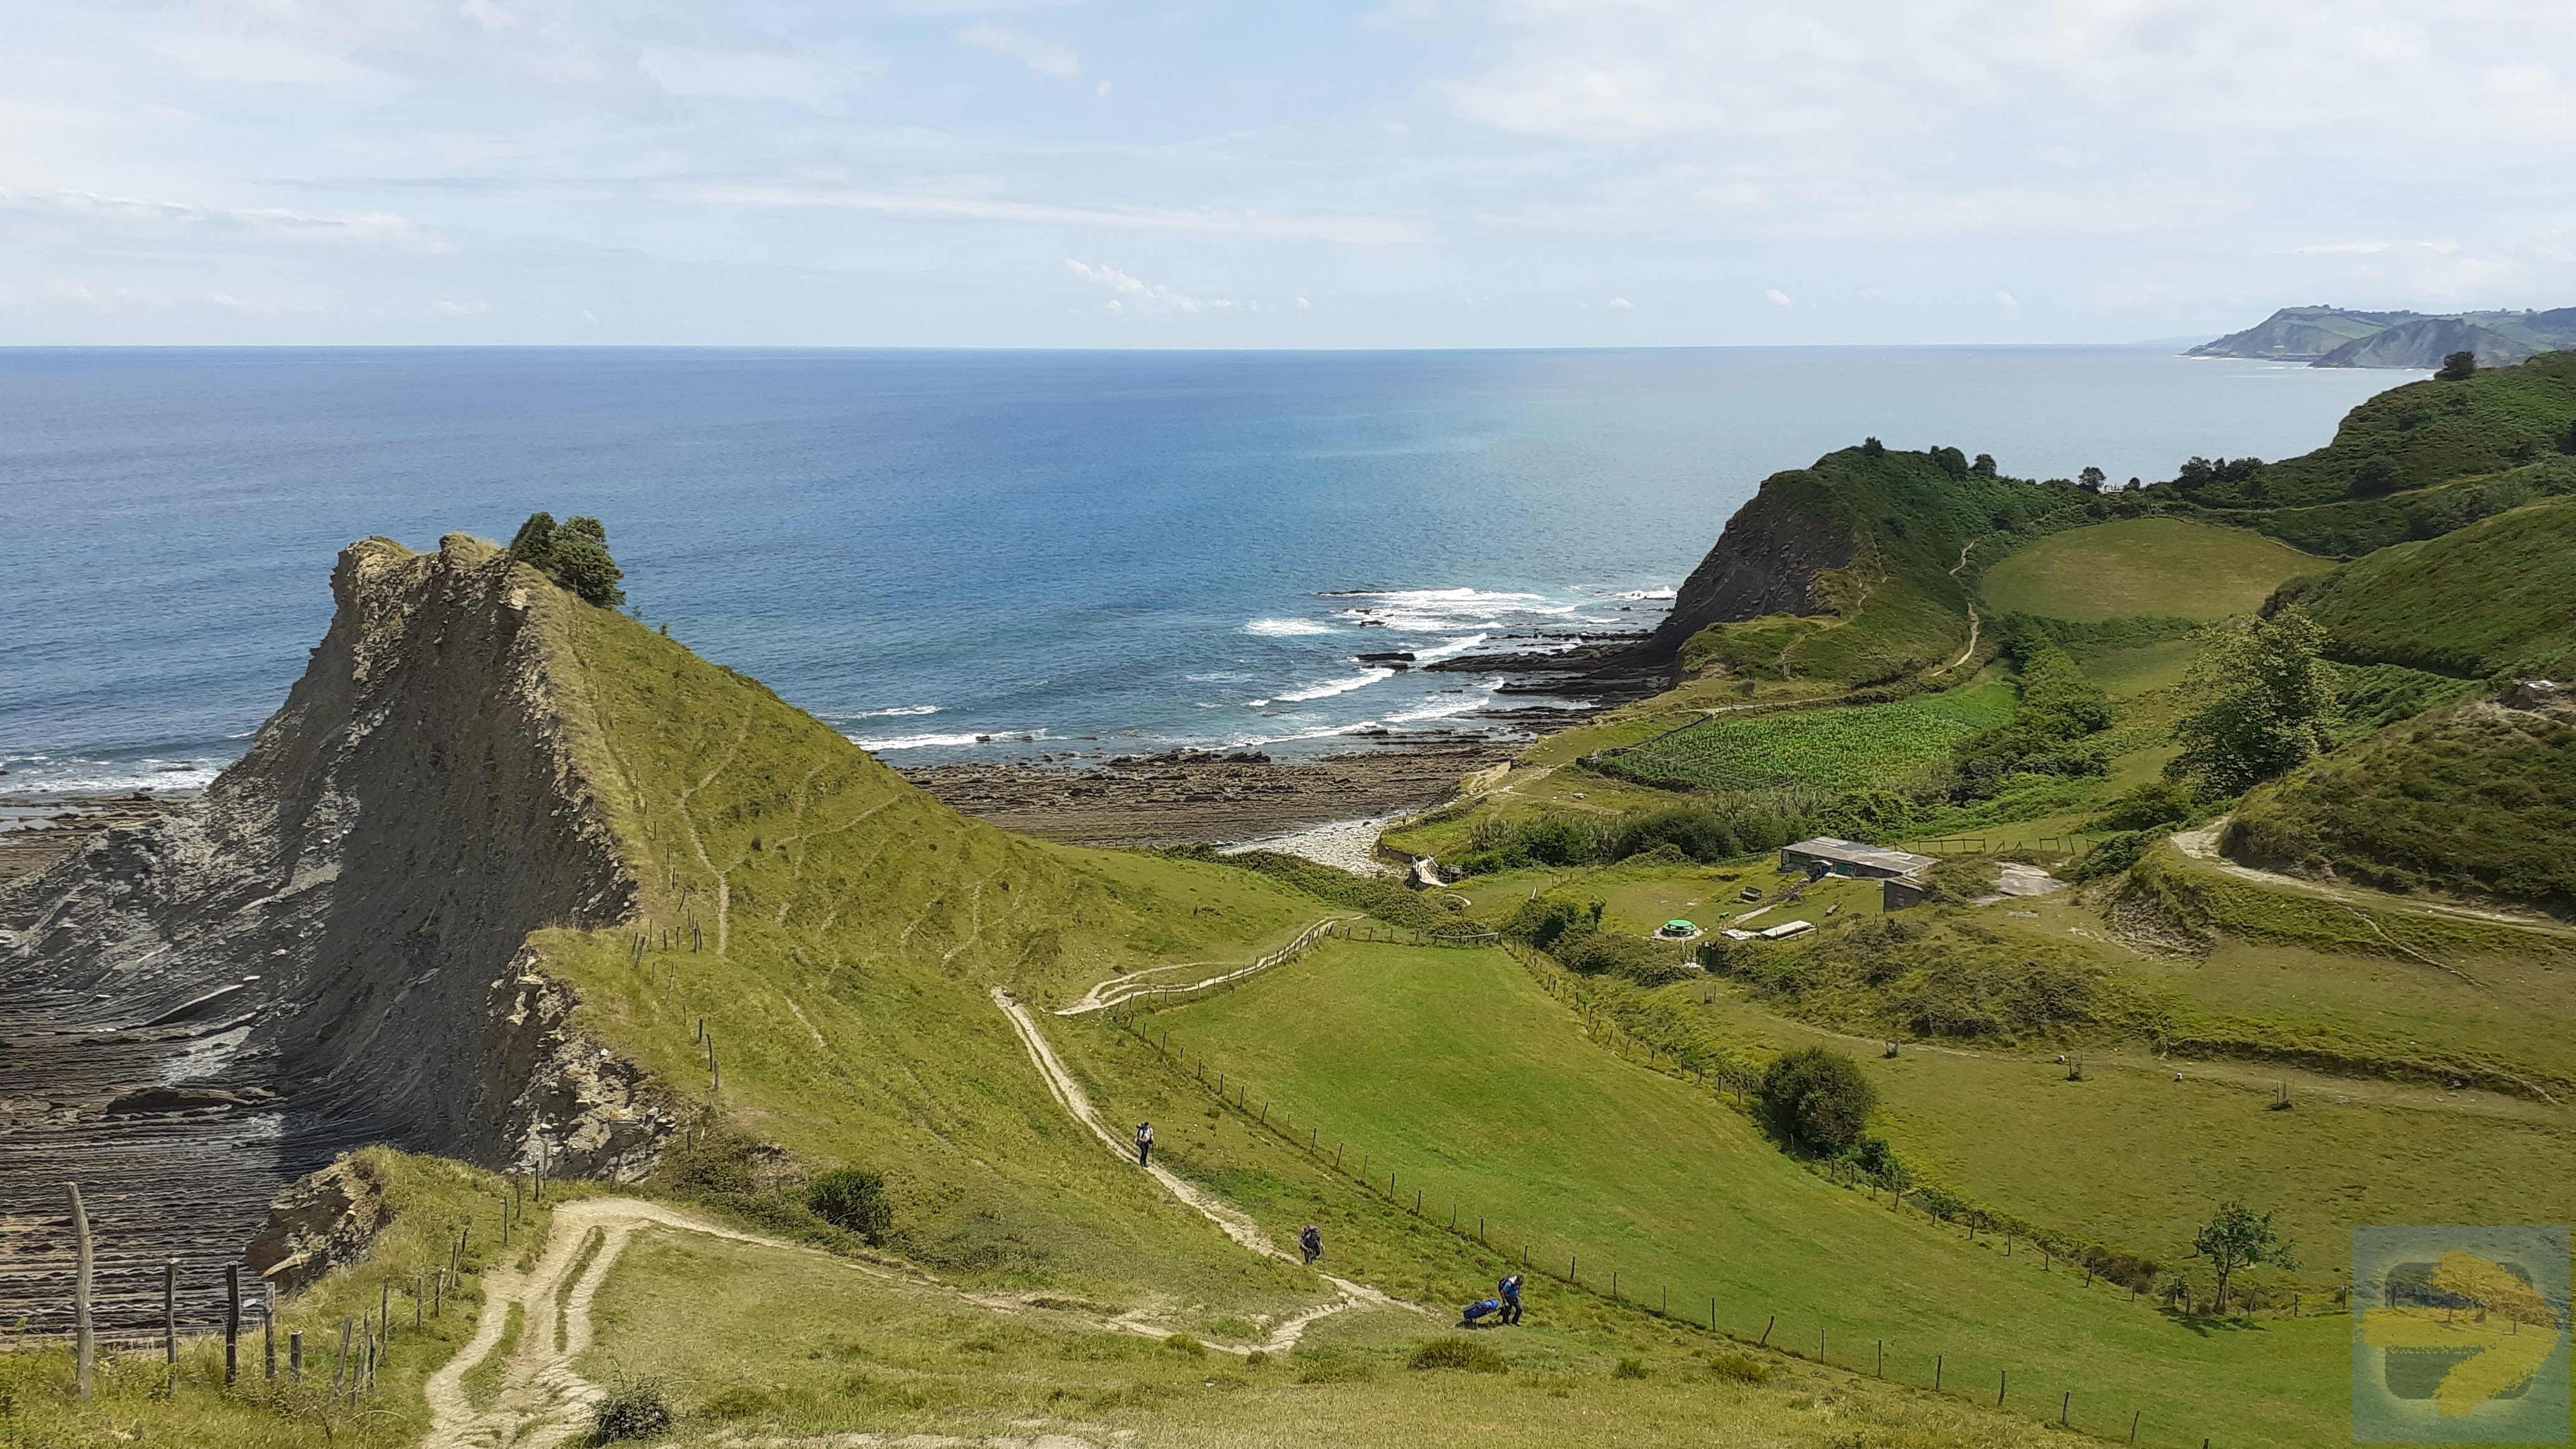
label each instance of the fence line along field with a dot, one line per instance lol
(1832, 749)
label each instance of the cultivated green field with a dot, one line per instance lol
(1455, 1072)
(1828, 749)
(2164, 567)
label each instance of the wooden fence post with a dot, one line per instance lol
(1571, 1264)
(1936, 1373)
(2065, 1406)
(340, 1365)
(268, 1329)
(1882, 1358)
(170, 1322)
(1765, 1341)
(85, 1345)
(232, 1323)
(2003, 1378)
(295, 1356)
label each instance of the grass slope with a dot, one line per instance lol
(2167, 567)
(2474, 799)
(753, 1345)
(1455, 1071)
(852, 928)
(2425, 433)
(2495, 598)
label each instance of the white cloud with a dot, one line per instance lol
(1347, 230)
(1778, 297)
(1037, 52)
(1147, 297)
(1621, 304)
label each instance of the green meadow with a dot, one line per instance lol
(2152, 567)
(1454, 1072)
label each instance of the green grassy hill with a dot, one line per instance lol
(2425, 433)
(2155, 567)
(2473, 799)
(1899, 606)
(2495, 598)
(851, 928)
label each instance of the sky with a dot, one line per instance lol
(1411, 173)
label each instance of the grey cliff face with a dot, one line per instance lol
(325, 950)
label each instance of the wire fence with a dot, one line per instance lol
(1711, 1313)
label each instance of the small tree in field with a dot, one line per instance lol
(1817, 1101)
(2458, 367)
(2239, 1237)
(2263, 699)
(2093, 479)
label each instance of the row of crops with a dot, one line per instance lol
(1827, 749)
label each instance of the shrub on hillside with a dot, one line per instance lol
(634, 1407)
(2144, 807)
(1816, 1100)
(1457, 1353)
(574, 553)
(853, 1201)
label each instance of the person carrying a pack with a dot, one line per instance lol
(1144, 1144)
(1311, 1243)
(1510, 1289)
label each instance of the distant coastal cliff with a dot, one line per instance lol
(2334, 337)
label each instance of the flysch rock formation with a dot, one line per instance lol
(324, 950)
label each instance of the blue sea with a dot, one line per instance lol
(980, 555)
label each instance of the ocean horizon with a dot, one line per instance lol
(982, 555)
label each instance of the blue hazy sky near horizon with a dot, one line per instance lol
(1418, 173)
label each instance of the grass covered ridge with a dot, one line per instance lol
(2474, 799)
(852, 931)
(2495, 598)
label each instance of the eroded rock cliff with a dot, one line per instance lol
(328, 948)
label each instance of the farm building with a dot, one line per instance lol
(1850, 857)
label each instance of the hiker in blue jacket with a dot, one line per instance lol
(1510, 1288)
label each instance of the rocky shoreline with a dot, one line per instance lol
(1193, 797)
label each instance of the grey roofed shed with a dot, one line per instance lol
(1850, 857)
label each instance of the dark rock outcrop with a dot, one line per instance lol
(325, 950)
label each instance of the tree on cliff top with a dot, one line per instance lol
(574, 553)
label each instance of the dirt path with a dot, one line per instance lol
(2202, 845)
(1974, 623)
(1119, 989)
(1069, 1095)
(542, 1401)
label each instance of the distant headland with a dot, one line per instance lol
(2333, 337)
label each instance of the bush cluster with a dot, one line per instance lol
(1816, 1101)
(853, 1201)
(2049, 733)
(1711, 831)
(574, 554)
(1571, 932)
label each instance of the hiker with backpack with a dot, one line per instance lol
(1144, 1144)
(1510, 1289)
(1311, 1243)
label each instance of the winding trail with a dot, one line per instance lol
(1236, 1225)
(1975, 624)
(1119, 989)
(542, 1401)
